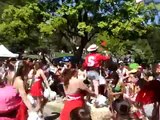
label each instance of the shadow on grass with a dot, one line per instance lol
(54, 116)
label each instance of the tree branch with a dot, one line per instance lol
(92, 35)
(68, 39)
(72, 33)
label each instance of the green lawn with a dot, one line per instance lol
(56, 55)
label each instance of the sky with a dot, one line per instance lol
(158, 16)
(157, 0)
(157, 4)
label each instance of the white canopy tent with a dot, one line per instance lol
(4, 52)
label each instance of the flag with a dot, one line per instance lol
(104, 43)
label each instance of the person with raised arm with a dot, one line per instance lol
(75, 90)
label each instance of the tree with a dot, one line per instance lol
(154, 41)
(78, 21)
(140, 49)
(5, 3)
(85, 18)
(19, 26)
(16, 2)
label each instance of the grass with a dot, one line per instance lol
(56, 55)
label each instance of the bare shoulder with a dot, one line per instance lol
(40, 70)
(18, 81)
(30, 72)
(79, 81)
(74, 81)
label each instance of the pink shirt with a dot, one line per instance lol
(9, 99)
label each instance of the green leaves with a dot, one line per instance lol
(46, 28)
(23, 25)
(77, 22)
(51, 25)
(140, 48)
(118, 18)
(82, 27)
(102, 24)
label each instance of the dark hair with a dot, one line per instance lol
(80, 113)
(67, 75)
(30, 59)
(115, 77)
(121, 106)
(24, 58)
(2, 83)
(37, 65)
(124, 109)
(21, 70)
(147, 74)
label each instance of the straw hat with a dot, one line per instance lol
(92, 47)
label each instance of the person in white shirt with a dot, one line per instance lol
(122, 71)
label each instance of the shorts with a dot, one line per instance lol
(93, 75)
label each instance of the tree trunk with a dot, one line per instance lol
(79, 52)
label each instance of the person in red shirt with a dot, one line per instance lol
(92, 64)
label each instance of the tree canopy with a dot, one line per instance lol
(85, 18)
(139, 49)
(76, 21)
(21, 25)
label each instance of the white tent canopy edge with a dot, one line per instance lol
(4, 52)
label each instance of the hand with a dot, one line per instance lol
(31, 109)
(49, 89)
(36, 109)
(93, 94)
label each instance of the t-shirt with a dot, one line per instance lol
(94, 60)
(122, 72)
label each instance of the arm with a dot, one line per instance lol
(84, 87)
(104, 58)
(122, 89)
(82, 75)
(45, 79)
(127, 73)
(84, 65)
(30, 74)
(117, 93)
(23, 94)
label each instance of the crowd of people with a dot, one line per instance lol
(26, 85)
